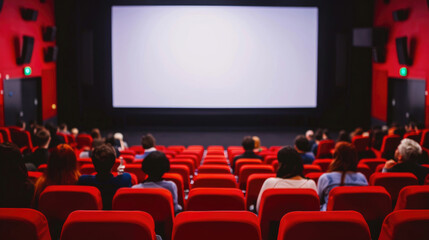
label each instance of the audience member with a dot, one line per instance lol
(343, 136)
(148, 144)
(257, 141)
(62, 170)
(407, 154)
(248, 144)
(357, 132)
(110, 140)
(103, 158)
(74, 132)
(63, 128)
(318, 136)
(377, 138)
(97, 140)
(20, 124)
(16, 190)
(341, 172)
(309, 134)
(55, 140)
(155, 165)
(41, 154)
(326, 134)
(302, 147)
(120, 137)
(289, 174)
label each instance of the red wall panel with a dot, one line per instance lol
(416, 28)
(13, 27)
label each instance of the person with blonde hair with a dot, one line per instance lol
(257, 144)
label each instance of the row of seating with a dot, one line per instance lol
(133, 225)
(373, 202)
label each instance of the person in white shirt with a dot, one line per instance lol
(289, 174)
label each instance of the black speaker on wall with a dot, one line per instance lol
(29, 14)
(400, 15)
(402, 51)
(369, 37)
(50, 54)
(49, 33)
(379, 54)
(26, 50)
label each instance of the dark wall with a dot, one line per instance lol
(84, 72)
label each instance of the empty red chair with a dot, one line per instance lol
(136, 169)
(424, 142)
(254, 184)
(314, 176)
(245, 161)
(275, 165)
(158, 202)
(193, 157)
(184, 172)
(248, 170)
(364, 169)
(108, 225)
(215, 225)
(361, 143)
(214, 157)
(275, 148)
(324, 148)
(389, 145)
(215, 152)
(215, 147)
(270, 158)
(215, 199)
(215, 181)
(416, 136)
(214, 169)
(84, 140)
(128, 152)
(178, 180)
(276, 202)
(176, 148)
(234, 153)
(308, 168)
(393, 182)
(372, 163)
(138, 149)
(21, 138)
(23, 224)
(130, 159)
(373, 202)
(186, 162)
(323, 163)
(215, 162)
(406, 224)
(413, 197)
(336, 225)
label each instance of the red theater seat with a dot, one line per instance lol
(365, 170)
(361, 143)
(388, 147)
(4, 131)
(406, 224)
(215, 162)
(108, 225)
(214, 169)
(215, 147)
(254, 184)
(182, 171)
(393, 182)
(214, 180)
(33, 176)
(276, 202)
(225, 225)
(324, 149)
(245, 161)
(416, 136)
(323, 163)
(127, 152)
(215, 152)
(248, 170)
(136, 169)
(372, 163)
(270, 158)
(178, 180)
(413, 197)
(314, 176)
(215, 199)
(193, 157)
(23, 224)
(84, 140)
(138, 149)
(176, 148)
(158, 202)
(336, 225)
(308, 168)
(186, 162)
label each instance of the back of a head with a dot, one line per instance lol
(103, 158)
(410, 150)
(62, 165)
(345, 158)
(119, 136)
(20, 124)
(155, 165)
(75, 131)
(290, 163)
(318, 135)
(148, 141)
(63, 127)
(301, 143)
(42, 137)
(95, 133)
(12, 168)
(309, 135)
(343, 136)
(248, 143)
(257, 141)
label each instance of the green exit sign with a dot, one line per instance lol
(403, 71)
(27, 71)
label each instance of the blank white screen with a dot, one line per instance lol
(214, 57)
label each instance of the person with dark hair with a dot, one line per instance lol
(343, 136)
(377, 138)
(318, 136)
(289, 174)
(55, 140)
(63, 128)
(148, 143)
(302, 147)
(155, 165)
(341, 172)
(406, 160)
(248, 144)
(16, 190)
(20, 124)
(97, 140)
(41, 154)
(103, 157)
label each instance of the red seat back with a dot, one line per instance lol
(23, 224)
(108, 225)
(20, 137)
(365, 170)
(215, 199)
(254, 184)
(182, 171)
(216, 225)
(361, 143)
(413, 197)
(215, 162)
(4, 131)
(214, 169)
(372, 163)
(424, 142)
(158, 202)
(186, 162)
(323, 163)
(389, 145)
(406, 224)
(214, 180)
(270, 158)
(178, 180)
(314, 176)
(416, 136)
(309, 168)
(324, 148)
(393, 182)
(336, 225)
(84, 140)
(245, 161)
(248, 170)
(136, 169)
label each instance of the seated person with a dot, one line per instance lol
(148, 144)
(341, 172)
(155, 165)
(248, 144)
(103, 157)
(41, 155)
(318, 136)
(407, 154)
(309, 134)
(289, 174)
(257, 144)
(302, 147)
